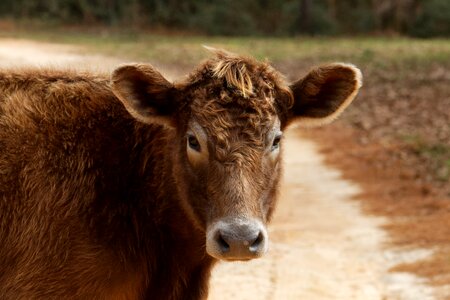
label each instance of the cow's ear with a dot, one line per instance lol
(145, 93)
(322, 95)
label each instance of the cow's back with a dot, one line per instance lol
(63, 140)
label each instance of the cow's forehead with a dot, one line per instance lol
(236, 127)
(230, 93)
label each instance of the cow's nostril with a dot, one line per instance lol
(257, 242)
(223, 245)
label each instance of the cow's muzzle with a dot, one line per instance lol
(236, 239)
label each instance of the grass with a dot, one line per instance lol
(186, 50)
(437, 154)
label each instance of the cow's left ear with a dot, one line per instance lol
(145, 93)
(323, 94)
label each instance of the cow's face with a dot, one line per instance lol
(230, 161)
(229, 119)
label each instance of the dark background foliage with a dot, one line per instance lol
(423, 18)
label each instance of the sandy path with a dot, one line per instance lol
(322, 246)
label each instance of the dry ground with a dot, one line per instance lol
(395, 141)
(323, 245)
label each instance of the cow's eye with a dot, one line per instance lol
(193, 143)
(276, 142)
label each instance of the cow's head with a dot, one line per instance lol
(229, 117)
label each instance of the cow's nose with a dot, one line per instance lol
(241, 240)
(232, 243)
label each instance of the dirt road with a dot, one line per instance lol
(322, 245)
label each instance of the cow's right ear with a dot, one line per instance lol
(322, 95)
(145, 93)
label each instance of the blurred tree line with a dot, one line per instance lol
(424, 18)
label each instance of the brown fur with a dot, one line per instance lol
(98, 199)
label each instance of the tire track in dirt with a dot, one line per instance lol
(322, 246)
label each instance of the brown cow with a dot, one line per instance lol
(133, 188)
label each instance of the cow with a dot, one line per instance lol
(132, 187)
